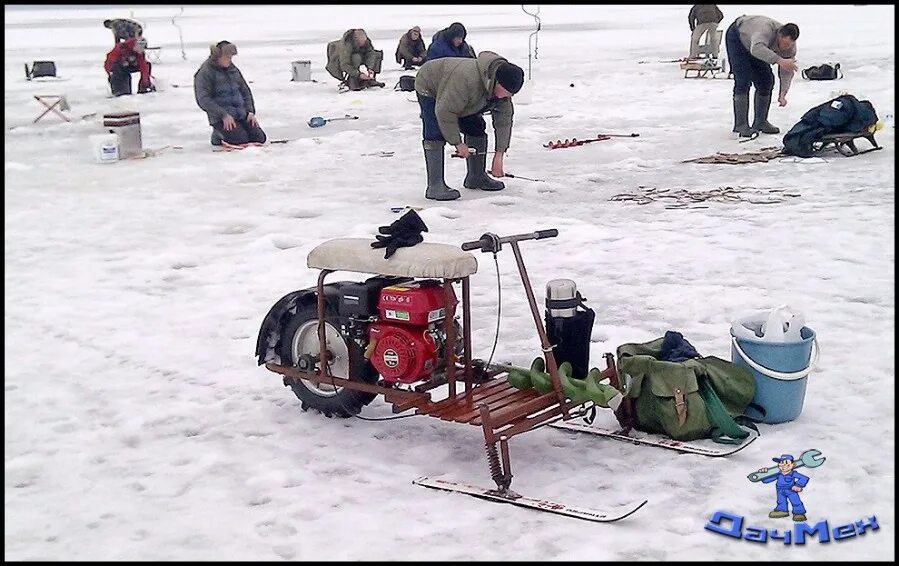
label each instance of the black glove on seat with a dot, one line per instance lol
(403, 232)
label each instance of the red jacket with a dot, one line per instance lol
(124, 54)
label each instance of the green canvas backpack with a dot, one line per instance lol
(697, 398)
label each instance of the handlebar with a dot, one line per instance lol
(490, 242)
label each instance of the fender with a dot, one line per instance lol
(270, 331)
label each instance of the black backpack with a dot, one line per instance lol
(823, 72)
(844, 114)
(405, 84)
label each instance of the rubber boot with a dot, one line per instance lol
(761, 124)
(477, 177)
(741, 115)
(437, 189)
(216, 138)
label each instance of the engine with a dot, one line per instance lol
(407, 341)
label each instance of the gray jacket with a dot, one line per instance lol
(704, 14)
(758, 34)
(463, 87)
(221, 91)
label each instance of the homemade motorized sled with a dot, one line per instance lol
(396, 334)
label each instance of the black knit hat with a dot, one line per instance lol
(510, 76)
(456, 30)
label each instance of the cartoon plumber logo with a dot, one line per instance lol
(788, 483)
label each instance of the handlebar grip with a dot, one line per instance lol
(467, 246)
(551, 233)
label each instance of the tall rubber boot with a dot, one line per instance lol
(761, 124)
(437, 189)
(477, 177)
(741, 115)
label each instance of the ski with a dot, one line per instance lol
(530, 503)
(658, 441)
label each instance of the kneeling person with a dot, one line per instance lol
(222, 92)
(453, 93)
(125, 58)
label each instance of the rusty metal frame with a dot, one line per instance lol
(501, 411)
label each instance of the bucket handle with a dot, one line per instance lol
(776, 374)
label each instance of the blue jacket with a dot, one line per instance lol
(442, 44)
(786, 481)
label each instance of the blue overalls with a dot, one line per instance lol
(784, 493)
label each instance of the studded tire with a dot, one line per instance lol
(300, 336)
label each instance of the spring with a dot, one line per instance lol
(496, 469)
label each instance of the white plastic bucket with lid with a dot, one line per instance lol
(106, 147)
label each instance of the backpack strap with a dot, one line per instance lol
(725, 430)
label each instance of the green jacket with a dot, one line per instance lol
(463, 87)
(347, 47)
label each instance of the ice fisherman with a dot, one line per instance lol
(125, 58)
(354, 61)
(450, 42)
(123, 29)
(704, 18)
(754, 43)
(222, 92)
(411, 52)
(789, 484)
(453, 93)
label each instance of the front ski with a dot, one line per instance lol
(655, 440)
(521, 501)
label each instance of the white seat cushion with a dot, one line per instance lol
(422, 260)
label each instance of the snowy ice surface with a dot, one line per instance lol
(138, 425)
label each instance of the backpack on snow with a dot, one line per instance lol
(823, 72)
(696, 398)
(842, 115)
(405, 84)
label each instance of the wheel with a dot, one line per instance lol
(299, 337)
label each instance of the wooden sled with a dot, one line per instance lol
(845, 143)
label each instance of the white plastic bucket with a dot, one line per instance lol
(302, 71)
(106, 147)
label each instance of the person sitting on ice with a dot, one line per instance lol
(411, 52)
(450, 42)
(354, 61)
(222, 92)
(125, 58)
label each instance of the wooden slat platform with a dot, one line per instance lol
(506, 404)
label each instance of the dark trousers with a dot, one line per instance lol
(473, 125)
(120, 79)
(243, 132)
(408, 65)
(747, 70)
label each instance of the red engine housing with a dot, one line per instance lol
(405, 350)
(403, 353)
(418, 303)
